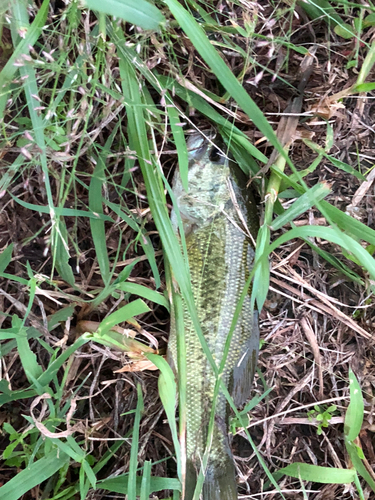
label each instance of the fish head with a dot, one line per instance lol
(208, 178)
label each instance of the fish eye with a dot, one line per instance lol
(215, 155)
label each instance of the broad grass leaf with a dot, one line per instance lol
(116, 340)
(179, 140)
(124, 313)
(66, 448)
(344, 221)
(11, 333)
(6, 257)
(145, 484)
(46, 377)
(97, 226)
(61, 211)
(28, 359)
(34, 475)
(9, 396)
(358, 464)
(367, 65)
(335, 262)
(132, 485)
(242, 141)
(345, 167)
(355, 412)
(262, 268)
(89, 473)
(317, 9)
(60, 251)
(124, 274)
(59, 316)
(348, 224)
(317, 474)
(345, 31)
(144, 292)
(141, 12)
(333, 235)
(119, 484)
(301, 205)
(168, 395)
(365, 87)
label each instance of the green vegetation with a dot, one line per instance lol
(323, 416)
(94, 114)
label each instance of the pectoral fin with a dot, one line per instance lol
(244, 370)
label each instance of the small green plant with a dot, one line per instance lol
(322, 415)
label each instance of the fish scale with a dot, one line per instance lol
(220, 259)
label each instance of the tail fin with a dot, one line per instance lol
(219, 484)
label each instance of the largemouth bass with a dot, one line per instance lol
(216, 212)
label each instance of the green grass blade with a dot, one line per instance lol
(6, 257)
(348, 224)
(145, 485)
(355, 412)
(28, 359)
(7, 176)
(141, 13)
(60, 246)
(335, 262)
(61, 211)
(359, 466)
(179, 140)
(97, 226)
(333, 235)
(262, 268)
(132, 488)
(55, 366)
(366, 67)
(34, 475)
(168, 395)
(306, 201)
(226, 127)
(345, 222)
(59, 316)
(120, 484)
(317, 474)
(124, 313)
(144, 292)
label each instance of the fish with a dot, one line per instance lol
(220, 223)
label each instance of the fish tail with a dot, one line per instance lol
(219, 484)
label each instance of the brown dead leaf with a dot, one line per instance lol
(326, 108)
(137, 366)
(92, 326)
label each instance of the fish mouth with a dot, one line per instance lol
(206, 143)
(199, 140)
